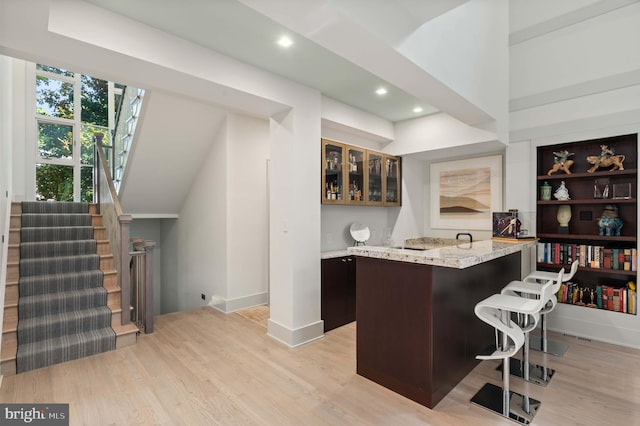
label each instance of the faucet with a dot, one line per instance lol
(464, 233)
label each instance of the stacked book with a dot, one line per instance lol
(588, 256)
(623, 299)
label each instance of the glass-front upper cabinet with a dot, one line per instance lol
(332, 176)
(355, 173)
(374, 190)
(358, 176)
(392, 180)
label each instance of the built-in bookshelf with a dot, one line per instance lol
(607, 272)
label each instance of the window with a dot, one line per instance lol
(69, 110)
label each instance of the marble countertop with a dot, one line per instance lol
(462, 255)
(334, 254)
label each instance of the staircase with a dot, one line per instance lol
(62, 299)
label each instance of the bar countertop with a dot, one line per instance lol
(439, 252)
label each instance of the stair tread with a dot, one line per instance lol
(121, 330)
(62, 316)
(72, 239)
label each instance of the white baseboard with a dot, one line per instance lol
(596, 324)
(295, 337)
(231, 305)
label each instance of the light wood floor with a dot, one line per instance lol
(203, 367)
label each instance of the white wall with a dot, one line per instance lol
(202, 231)
(247, 211)
(582, 72)
(467, 49)
(6, 135)
(223, 225)
(21, 151)
(434, 132)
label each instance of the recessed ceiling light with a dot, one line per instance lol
(381, 91)
(285, 41)
(417, 109)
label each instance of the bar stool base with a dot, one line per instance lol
(538, 374)
(490, 397)
(553, 348)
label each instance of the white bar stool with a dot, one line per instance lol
(496, 311)
(537, 374)
(540, 343)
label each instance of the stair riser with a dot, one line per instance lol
(110, 280)
(50, 306)
(49, 234)
(14, 236)
(48, 249)
(113, 299)
(13, 254)
(116, 318)
(11, 295)
(126, 340)
(54, 220)
(15, 221)
(96, 220)
(100, 233)
(13, 272)
(53, 267)
(16, 208)
(103, 247)
(8, 368)
(106, 263)
(33, 286)
(10, 338)
(10, 319)
(60, 328)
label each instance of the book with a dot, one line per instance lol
(540, 252)
(606, 258)
(583, 255)
(610, 298)
(599, 296)
(616, 299)
(615, 259)
(627, 259)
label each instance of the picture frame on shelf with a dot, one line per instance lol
(463, 193)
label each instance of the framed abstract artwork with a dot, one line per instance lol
(463, 193)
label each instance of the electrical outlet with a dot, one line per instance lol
(203, 296)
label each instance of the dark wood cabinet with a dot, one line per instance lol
(591, 192)
(417, 331)
(338, 293)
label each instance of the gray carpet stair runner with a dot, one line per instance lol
(62, 308)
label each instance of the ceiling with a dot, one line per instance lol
(235, 29)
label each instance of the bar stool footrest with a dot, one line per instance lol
(491, 398)
(553, 348)
(538, 374)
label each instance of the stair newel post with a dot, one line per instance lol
(148, 282)
(123, 267)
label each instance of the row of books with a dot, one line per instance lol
(602, 297)
(589, 256)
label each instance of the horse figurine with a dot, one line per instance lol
(605, 159)
(561, 162)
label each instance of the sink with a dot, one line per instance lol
(428, 243)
